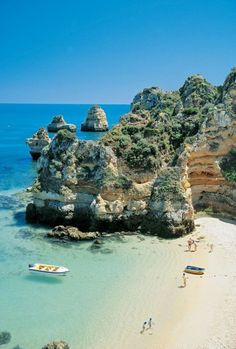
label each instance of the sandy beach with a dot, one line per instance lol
(199, 316)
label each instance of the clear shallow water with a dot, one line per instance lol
(83, 306)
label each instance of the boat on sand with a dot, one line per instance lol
(48, 269)
(194, 270)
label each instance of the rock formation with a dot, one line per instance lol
(37, 142)
(71, 233)
(172, 154)
(58, 123)
(56, 345)
(96, 120)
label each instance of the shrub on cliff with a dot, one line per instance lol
(228, 166)
(65, 135)
(118, 181)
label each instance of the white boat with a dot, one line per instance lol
(47, 269)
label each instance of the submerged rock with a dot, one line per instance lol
(96, 120)
(37, 142)
(57, 345)
(71, 233)
(58, 123)
(5, 337)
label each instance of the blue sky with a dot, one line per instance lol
(74, 51)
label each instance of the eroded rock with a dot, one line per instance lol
(58, 123)
(37, 142)
(96, 120)
(162, 161)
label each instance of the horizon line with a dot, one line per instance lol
(42, 103)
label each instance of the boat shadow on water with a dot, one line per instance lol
(46, 279)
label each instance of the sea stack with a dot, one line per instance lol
(37, 142)
(58, 123)
(96, 120)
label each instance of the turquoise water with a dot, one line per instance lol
(94, 306)
(36, 309)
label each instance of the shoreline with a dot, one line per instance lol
(195, 317)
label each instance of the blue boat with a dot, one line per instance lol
(194, 270)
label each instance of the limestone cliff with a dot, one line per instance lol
(96, 120)
(173, 153)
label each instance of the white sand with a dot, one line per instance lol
(200, 316)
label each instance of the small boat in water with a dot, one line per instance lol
(48, 269)
(194, 270)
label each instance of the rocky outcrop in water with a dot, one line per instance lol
(71, 233)
(56, 345)
(37, 142)
(172, 154)
(58, 123)
(96, 120)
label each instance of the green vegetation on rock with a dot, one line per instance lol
(228, 166)
(65, 135)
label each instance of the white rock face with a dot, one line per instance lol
(37, 142)
(96, 120)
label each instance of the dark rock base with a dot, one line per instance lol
(34, 155)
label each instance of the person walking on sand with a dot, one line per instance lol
(149, 323)
(194, 246)
(184, 280)
(144, 326)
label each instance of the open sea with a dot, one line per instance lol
(84, 307)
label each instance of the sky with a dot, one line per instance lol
(90, 51)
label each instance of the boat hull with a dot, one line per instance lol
(48, 272)
(195, 272)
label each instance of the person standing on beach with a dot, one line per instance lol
(189, 242)
(194, 246)
(149, 323)
(211, 248)
(144, 327)
(184, 280)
